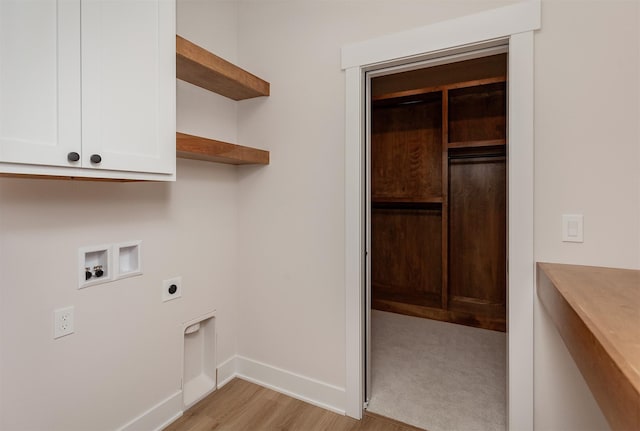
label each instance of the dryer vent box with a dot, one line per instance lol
(199, 378)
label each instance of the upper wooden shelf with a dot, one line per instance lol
(210, 150)
(597, 312)
(204, 69)
(437, 88)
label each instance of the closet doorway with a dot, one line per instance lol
(437, 235)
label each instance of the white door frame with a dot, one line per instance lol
(516, 24)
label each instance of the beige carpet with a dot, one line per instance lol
(438, 376)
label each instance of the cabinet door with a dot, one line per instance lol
(128, 84)
(39, 81)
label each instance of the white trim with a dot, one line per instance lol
(508, 22)
(367, 241)
(498, 46)
(312, 391)
(466, 30)
(66, 173)
(354, 242)
(303, 388)
(520, 243)
(227, 371)
(159, 416)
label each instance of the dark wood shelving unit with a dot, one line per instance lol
(200, 67)
(438, 192)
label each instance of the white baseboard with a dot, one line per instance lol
(226, 371)
(303, 388)
(158, 416)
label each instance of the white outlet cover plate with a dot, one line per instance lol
(166, 296)
(62, 322)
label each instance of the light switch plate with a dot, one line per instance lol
(572, 228)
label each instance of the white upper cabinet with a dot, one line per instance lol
(39, 81)
(128, 98)
(87, 88)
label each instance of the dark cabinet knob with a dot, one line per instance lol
(73, 156)
(95, 158)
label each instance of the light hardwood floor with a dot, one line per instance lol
(241, 405)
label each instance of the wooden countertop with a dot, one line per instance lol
(597, 312)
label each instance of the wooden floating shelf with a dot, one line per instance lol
(204, 69)
(210, 150)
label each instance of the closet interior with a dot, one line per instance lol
(438, 192)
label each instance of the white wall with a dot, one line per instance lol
(587, 162)
(265, 246)
(125, 355)
(586, 121)
(291, 214)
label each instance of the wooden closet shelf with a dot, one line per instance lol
(392, 200)
(437, 88)
(204, 69)
(477, 144)
(210, 150)
(432, 204)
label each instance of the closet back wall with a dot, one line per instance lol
(125, 354)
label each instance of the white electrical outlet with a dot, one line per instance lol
(171, 289)
(62, 322)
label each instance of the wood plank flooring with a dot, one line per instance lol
(241, 405)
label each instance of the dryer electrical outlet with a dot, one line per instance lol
(171, 289)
